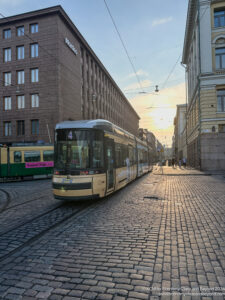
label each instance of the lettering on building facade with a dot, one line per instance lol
(71, 46)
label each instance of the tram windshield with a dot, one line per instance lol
(79, 149)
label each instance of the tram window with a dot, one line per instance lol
(121, 155)
(48, 155)
(79, 156)
(140, 156)
(17, 156)
(97, 150)
(31, 156)
(124, 154)
(131, 155)
(98, 161)
(118, 155)
(135, 155)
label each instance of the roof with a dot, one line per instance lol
(94, 124)
(85, 124)
(61, 12)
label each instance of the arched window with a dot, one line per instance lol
(220, 52)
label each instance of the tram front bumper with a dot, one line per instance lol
(82, 187)
(73, 190)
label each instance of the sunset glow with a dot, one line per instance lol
(157, 111)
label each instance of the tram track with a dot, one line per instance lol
(7, 202)
(20, 204)
(18, 238)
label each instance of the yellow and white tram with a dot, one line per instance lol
(94, 158)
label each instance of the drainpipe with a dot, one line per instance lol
(199, 88)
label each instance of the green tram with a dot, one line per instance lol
(26, 161)
(95, 158)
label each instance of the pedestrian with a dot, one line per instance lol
(173, 162)
(179, 163)
(184, 162)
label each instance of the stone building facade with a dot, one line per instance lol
(180, 143)
(204, 57)
(49, 74)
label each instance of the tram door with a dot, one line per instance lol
(110, 163)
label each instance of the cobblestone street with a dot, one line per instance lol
(161, 237)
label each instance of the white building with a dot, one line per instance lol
(204, 57)
(180, 137)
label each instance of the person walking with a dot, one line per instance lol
(179, 163)
(173, 162)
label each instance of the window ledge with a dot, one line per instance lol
(220, 71)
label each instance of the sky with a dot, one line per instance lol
(153, 34)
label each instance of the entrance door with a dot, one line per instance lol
(110, 164)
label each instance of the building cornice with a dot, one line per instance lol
(190, 23)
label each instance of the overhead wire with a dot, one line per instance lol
(123, 44)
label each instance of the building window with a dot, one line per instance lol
(221, 127)
(20, 102)
(20, 31)
(34, 50)
(34, 126)
(221, 101)
(7, 33)
(34, 28)
(7, 54)
(20, 127)
(20, 77)
(7, 103)
(7, 78)
(219, 18)
(34, 100)
(20, 52)
(34, 75)
(7, 128)
(220, 58)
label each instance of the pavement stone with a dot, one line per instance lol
(161, 237)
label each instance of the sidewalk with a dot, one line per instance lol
(161, 237)
(157, 170)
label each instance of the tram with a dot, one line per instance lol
(26, 161)
(94, 158)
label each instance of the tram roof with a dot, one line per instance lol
(101, 124)
(95, 124)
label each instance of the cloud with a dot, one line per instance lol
(157, 22)
(139, 73)
(136, 86)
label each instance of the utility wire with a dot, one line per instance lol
(165, 82)
(148, 86)
(128, 56)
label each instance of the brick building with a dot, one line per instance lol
(50, 74)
